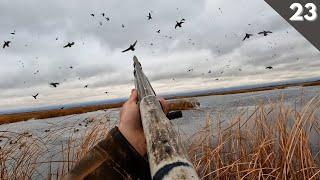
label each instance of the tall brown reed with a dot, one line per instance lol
(272, 143)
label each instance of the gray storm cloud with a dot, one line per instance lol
(209, 41)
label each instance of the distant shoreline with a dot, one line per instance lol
(43, 114)
(253, 89)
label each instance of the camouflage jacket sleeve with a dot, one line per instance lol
(112, 158)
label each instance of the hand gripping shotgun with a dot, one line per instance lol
(167, 159)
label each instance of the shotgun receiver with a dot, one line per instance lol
(167, 159)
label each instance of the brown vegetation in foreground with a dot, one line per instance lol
(275, 145)
(272, 142)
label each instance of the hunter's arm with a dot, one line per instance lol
(112, 158)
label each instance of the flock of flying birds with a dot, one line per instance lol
(131, 47)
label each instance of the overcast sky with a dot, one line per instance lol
(210, 40)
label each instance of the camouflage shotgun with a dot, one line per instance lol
(167, 159)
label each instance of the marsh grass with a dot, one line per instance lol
(273, 141)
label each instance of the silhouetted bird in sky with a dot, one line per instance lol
(106, 92)
(189, 70)
(209, 71)
(158, 31)
(92, 15)
(149, 16)
(86, 86)
(69, 45)
(35, 96)
(57, 38)
(122, 25)
(54, 84)
(131, 47)
(265, 33)
(6, 44)
(103, 14)
(269, 67)
(107, 18)
(14, 32)
(179, 24)
(247, 36)
(71, 67)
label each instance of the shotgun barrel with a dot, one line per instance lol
(167, 159)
